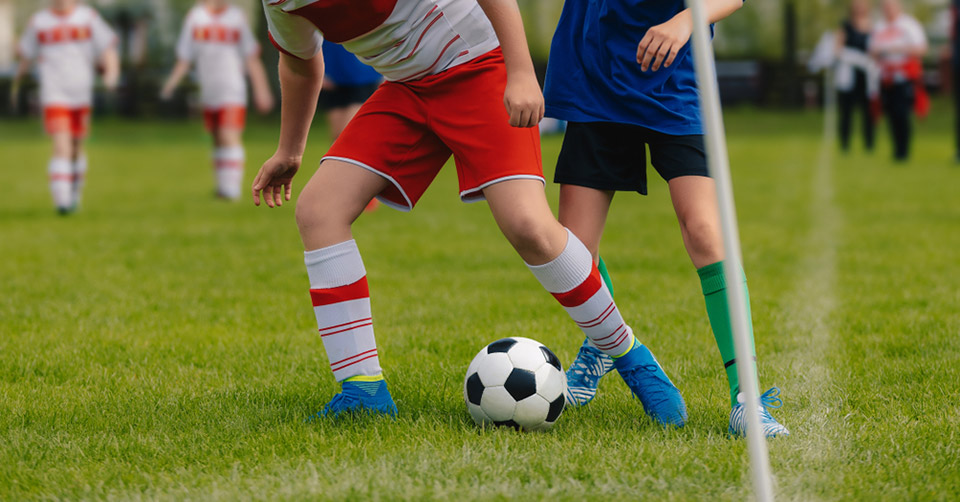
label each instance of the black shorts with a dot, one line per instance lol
(343, 96)
(611, 156)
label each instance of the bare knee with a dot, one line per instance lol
(536, 241)
(317, 220)
(703, 240)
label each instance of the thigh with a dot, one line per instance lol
(676, 156)
(603, 156)
(466, 111)
(56, 120)
(389, 137)
(79, 122)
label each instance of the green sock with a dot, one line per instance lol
(602, 267)
(714, 293)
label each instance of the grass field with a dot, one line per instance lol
(160, 344)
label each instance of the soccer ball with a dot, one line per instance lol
(515, 382)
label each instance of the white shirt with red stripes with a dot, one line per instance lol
(67, 47)
(218, 43)
(401, 39)
(892, 40)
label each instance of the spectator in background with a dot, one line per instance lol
(217, 37)
(856, 76)
(68, 41)
(899, 44)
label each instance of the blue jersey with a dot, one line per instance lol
(593, 74)
(345, 69)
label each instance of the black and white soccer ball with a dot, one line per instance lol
(515, 382)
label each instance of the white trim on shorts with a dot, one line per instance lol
(386, 176)
(468, 196)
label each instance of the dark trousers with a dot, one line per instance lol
(897, 105)
(850, 102)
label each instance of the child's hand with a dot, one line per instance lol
(166, 93)
(263, 101)
(662, 42)
(524, 101)
(275, 179)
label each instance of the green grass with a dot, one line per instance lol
(160, 344)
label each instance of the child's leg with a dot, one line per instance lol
(228, 161)
(695, 201)
(79, 159)
(327, 207)
(566, 269)
(60, 170)
(584, 211)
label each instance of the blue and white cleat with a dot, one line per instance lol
(584, 374)
(646, 378)
(771, 428)
(359, 396)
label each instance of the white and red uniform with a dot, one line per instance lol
(443, 95)
(219, 43)
(66, 46)
(903, 34)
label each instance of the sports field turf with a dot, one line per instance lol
(160, 343)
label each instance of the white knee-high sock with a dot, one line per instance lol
(575, 282)
(61, 182)
(79, 178)
(341, 302)
(228, 162)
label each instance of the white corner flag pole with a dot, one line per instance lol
(719, 166)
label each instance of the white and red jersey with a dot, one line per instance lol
(892, 41)
(67, 47)
(402, 39)
(218, 43)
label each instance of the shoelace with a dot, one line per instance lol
(771, 398)
(658, 392)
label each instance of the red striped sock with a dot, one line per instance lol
(341, 302)
(575, 282)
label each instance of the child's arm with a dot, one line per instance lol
(663, 42)
(110, 61)
(262, 97)
(22, 68)
(522, 97)
(300, 82)
(180, 70)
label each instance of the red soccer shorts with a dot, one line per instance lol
(232, 117)
(407, 131)
(63, 119)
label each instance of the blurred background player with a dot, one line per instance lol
(899, 43)
(347, 83)
(68, 41)
(856, 76)
(217, 38)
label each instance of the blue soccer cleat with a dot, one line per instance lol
(771, 428)
(584, 374)
(659, 397)
(361, 397)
